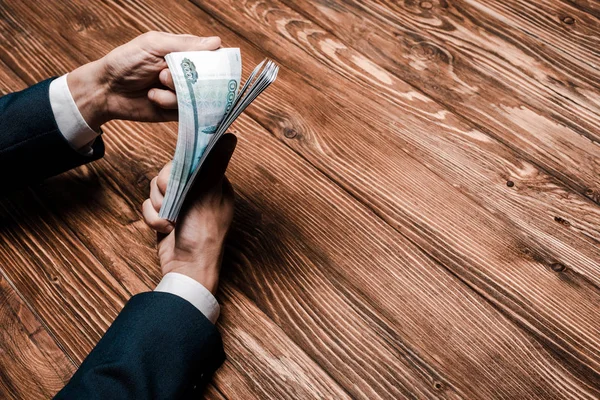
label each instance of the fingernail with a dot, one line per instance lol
(151, 94)
(163, 75)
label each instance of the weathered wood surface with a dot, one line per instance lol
(419, 209)
(436, 70)
(377, 249)
(76, 200)
(32, 366)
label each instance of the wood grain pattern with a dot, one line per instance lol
(479, 261)
(503, 165)
(377, 251)
(590, 6)
(518, 42)
(28, 353)
(432, 61)
(100, 234)
(32, 366)
(83, 218)
(264, 356)
(56, 193)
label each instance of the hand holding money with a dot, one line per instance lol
(124, 84)
(209, 98)
(195, 246)
(132, 83)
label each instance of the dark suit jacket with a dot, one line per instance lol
(160, 346)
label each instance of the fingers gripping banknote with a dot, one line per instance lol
(209, 98)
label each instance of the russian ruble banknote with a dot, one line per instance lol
(209, 99)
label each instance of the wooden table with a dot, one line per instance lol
(417, 200)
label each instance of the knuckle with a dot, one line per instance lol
(157, 202)
(159, 97)
(150, 35)
(146, 216)
(162, 181)
(145, 207)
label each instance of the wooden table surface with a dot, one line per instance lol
(417, 210)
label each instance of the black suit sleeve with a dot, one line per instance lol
(31, 146)
(159, 347)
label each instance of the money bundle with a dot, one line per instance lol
(209, 99)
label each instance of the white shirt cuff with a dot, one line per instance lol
(68, 118)
(191, 290)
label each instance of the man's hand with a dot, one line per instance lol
(132, 82)
(194, 247)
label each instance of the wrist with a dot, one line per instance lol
(206, 275)
(90, 94)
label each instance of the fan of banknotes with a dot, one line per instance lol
(209, 99)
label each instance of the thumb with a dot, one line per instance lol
(162, 43)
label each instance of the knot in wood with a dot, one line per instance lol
(290, 133)
(435, 56)
(561, 220)
(568, 20)
(558, 267)
(510, 183)
(426, 5)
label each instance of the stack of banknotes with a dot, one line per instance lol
(209, 98)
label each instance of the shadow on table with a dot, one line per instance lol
(260, 250)
(47, 202)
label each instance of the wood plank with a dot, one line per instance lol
(526, 54)
(246, 317)
(567, 38)
(442, 67)
(467, 157)
(32, 366)
(44, 258)
(28, 353)
(534, 184)
(283, 368)
(537, 259)
(440, 54)
(71, 291)
(75, 323)
(211, 392)
(512, 252)
(336, 250)
(592, 7)
(482, 156)
(282, 177)
(98, 230)
(309, 378)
